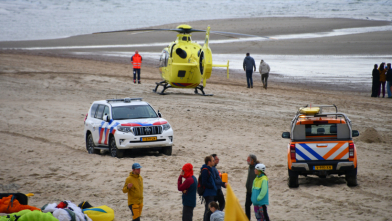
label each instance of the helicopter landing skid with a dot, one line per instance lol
(164, 85)
(201, 88)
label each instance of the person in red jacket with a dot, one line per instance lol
(188, 189)
(136, 61)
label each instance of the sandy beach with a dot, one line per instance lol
(45, 95)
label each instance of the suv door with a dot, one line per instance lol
(97, 124)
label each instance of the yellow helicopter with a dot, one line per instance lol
(185, 63)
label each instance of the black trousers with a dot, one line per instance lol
(266, 217)
(207, 212)
(249, 79)
(248, 204)
(221, 199)
(136, 72)
(187, 213)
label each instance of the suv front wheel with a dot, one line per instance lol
(114, 152)
(90, 145)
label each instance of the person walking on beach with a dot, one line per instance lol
(136, 61)
(264, 70)
(217, 215)
(252, 161)
(376, 81)
(219, 184)
(134, 187)
(248, 65)
(208, 182)
(260, 197)
(389, 80)
(188, 189)
(383, 79)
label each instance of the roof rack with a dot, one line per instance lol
(125, 100)
(320, 113)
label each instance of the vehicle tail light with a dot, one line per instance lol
(292, 151)
(85, 117)
(351, 151)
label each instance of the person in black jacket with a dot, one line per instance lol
(376, 81)
(389, 80)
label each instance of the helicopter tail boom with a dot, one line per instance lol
(223, 65)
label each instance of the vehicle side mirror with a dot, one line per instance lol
(106, 118)
(286, 135)
(355, 133)
(159, 114)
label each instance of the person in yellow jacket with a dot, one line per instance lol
(134, 187)
(260, 196)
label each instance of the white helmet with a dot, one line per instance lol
(260, 167)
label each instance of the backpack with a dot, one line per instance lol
(200, 188)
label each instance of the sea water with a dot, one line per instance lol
(48, 19)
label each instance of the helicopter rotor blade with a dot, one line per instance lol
(240, 34)
(153, 29)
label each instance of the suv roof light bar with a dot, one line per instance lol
(126, 100)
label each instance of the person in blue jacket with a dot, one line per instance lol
(188, 189)
(208, 182)
(260, 197)
(219, 184)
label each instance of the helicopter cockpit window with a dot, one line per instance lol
(185, 38)
(181, 53)
(163, 59)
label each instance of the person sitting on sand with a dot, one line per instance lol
(216, 215)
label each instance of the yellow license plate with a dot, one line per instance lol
(326, 167)
(148, 138)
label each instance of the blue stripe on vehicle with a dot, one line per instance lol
(95, 209)
(311, 151)
(297, 151)
(114, 125)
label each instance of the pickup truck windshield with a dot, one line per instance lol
(133, 112)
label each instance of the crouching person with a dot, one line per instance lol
(260, 193)
(188, 189)
(134, 187)
(216, 215)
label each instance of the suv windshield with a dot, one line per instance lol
(133, 112)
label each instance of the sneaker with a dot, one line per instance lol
(138, 82)
(251, 86)
(248, 87)
(134, 81)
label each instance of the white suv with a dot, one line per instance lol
(130, 123)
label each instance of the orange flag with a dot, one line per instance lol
(233, 210)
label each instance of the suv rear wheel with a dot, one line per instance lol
(114, 152)
(293, 179)
(351, 178)
(90, 145)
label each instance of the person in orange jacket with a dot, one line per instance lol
(134, 187)
(136, 61)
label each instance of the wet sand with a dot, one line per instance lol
(44, 96)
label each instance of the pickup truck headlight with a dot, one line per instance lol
(166, 126)
(125, 129)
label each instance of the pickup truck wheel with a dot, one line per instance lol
(114, 152)
(167, 150)
(351, 180)
(90, 145)
(293, 179)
